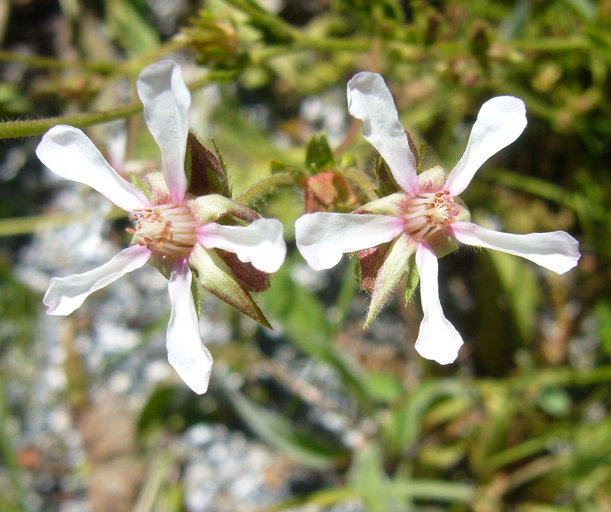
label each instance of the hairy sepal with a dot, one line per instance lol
(329, 191)
(139, 184)
(212, 207)
(385, 180)
(159, 192)
(389, 275)
(413, 279)
(432, 180)
(370, 261)
(246, 274)
(216, 277)
(205, 172)
(392, 205)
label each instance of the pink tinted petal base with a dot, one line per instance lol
(186, 352)
(166, 101)
(69, 153)
(557, 251)
(260, 243)
(323, 237)
(65, 294)
(499, 122)
(370, 101)
(438, 340)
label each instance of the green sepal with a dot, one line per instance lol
(206, 174)
(415, 150)
(215, 276)
(159, 189)
(432, 180)
(413, 279)
(347, 160)
(385, 180)
(392, 205)
(318, 153)
(212, 207)
(277, 166)
(392, 270)
(369, 263)
(221, 160)
(139, 184)
(164, 265)
(196, 292)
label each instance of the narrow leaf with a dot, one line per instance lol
(278, 431)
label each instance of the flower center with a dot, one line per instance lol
(167, 229)
(427, 214)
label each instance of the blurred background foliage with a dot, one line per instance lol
(520, 422)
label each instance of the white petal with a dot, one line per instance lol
(166, 101)
(69, 153)
(438, 340)
(65, 294)
(261, 242)
(323, 237)
(370, 101)
(557, 251)
(186, 352)
(500, 121)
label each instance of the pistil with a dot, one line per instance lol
(167, 229)
(427, 214)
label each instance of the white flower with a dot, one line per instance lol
(425, 218)
(174, 229)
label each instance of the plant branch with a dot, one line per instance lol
(15, 129)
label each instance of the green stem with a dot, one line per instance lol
(266, 19)
(322, 499)
(36, 223)
(332, 44)
(15, 129)
(40, 61)
(437, 490)
(524, 450)
(263, 188)
(361, 180)
(552, 44)
(532, 185)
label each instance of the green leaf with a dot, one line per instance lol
(554, 401)
(384, 387)
(519, 283)
(603, 317)
(127, 20)
(278, 166)
(318, 153)
(215, 276)
(368, 480)
(277, 430)
(404, 425)
(306, 325)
